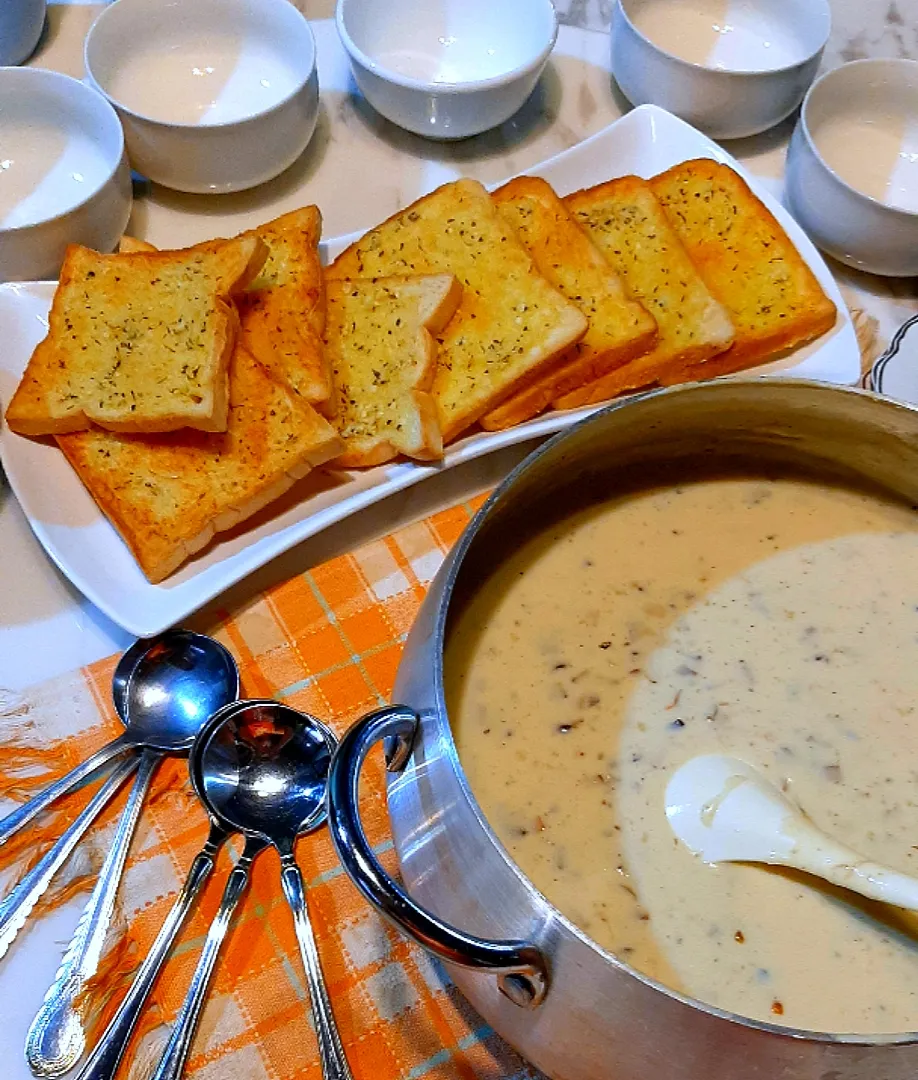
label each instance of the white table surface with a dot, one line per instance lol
(358, 170)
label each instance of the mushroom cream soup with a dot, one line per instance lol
(772, 618)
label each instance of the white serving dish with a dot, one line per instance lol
(730, 67)
(62, 151)
(450, 69)
(853, 156)
(90, 553)
(214, 95)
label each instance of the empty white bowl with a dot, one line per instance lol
(214, 95)
(451, 68)
(21, 23)
(729, 67)
(63, 174)
(852, 166)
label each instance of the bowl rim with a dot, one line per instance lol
(466, 86)
(743, 384)
(732, 73)
(181, 125)
(76, 87)
(879, 62)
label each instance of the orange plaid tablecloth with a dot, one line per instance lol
(327, 642)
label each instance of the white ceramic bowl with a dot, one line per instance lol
(21, 23)
(64, 178)
(214, 95)
(852, 167)
(447, 69)
(729, 67)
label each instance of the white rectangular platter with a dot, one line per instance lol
(90, 553)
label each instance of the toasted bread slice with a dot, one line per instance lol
(167, 495)
(747, 261)
(130, 245)
(623, 380)
(511, 325)
(627, 223)
(138, 342)
(282, 313)
(379, 341)
(619, 328)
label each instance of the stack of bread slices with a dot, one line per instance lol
(190, 388)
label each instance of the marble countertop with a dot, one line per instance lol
(359, 169)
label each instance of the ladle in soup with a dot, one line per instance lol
(724, 810)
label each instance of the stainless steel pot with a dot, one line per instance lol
(575, 1011)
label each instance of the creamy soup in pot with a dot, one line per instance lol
(771, 618)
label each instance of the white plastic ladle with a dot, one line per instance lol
(724, 810)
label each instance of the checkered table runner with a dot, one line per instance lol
(327, 642)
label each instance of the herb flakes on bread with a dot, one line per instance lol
(627, 223)
(511, 324)
(379, 341)
(620, 328)
(137, 342)
(747, 261)
(167, 495)
(282, 312)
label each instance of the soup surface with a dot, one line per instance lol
(769, 618)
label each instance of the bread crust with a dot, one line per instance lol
(748, 262)
(620, 329)
(380, 343)
(169, 495)
(627, 223)
(138, 342)
(511, 325)
(282, 311)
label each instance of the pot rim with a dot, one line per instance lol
(462, 548)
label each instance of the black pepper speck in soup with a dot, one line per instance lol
(775, 619)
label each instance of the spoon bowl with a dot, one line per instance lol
(165, 689)
(724, 810)
(261, 768)
(163, 695)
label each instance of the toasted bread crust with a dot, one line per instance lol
(167, 495)
(137, 343)
(511, 324)
(627, 223)
(282, 312)
(130, 245)
(620, 329)
(748, 262)
(624, 380)
(379, 340)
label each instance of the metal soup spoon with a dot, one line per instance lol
(724, 810)
(262, 769)
(181, 678)
(177, 665)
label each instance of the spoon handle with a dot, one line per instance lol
(172, 1064)
(102, 1063)
(56, 1039)
(842, 866)
(22, 815)
(331, 1050)
(17, 905)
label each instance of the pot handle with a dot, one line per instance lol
(520, 967)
